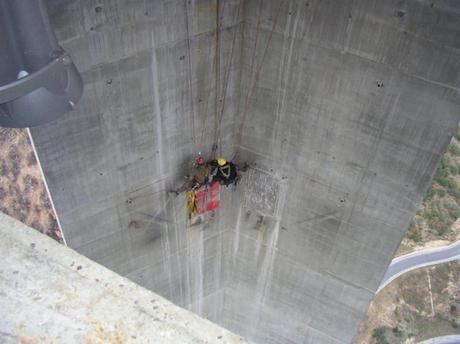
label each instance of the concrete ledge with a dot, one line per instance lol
(50, 293)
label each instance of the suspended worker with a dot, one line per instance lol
(198, 177)
(223, 171)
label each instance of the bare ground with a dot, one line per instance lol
(22, 191)
(421, 304)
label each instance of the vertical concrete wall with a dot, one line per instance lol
(342, 108)
(349, 106)
(151, 102)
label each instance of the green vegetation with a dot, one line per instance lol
(397, 331)
(454, 148)
(379, 335)
(457, 134)
(441, 205)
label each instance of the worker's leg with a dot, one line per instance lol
(187, 185)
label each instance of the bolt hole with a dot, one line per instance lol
(98, 9)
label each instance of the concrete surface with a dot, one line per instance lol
(52, 294)
(343, 109)
(418, 259)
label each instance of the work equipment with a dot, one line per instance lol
(38, 80)
(191, 204)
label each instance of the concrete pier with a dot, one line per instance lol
(342, 109)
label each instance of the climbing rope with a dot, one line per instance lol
(226, 79)
(217, 77)
(214, 70)
(257, 73)
(190, 83)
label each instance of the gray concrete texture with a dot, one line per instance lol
(342, 108)
(52, 294)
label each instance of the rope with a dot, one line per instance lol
(190, 75)
(226, 79)
(206, 106)
(217, 59)
(214, 70)
(256, 76)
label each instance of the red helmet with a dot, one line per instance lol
(199, 160)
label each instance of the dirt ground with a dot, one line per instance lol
(22, 191)
(419, 305)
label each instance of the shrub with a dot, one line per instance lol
(454, 149)
(442, 172)
(379, 335)
(453, 208)
(448, 183)
(441, 192)
(397, 332)
(445, 161)
(457, 134)
(442, 228)
(414, 235)
(454, 193)
(429, 193)
(453, 169)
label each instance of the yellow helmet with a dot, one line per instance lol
(221, 161)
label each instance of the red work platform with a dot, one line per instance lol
(208, 198)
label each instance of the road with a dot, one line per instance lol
(455, 339)
(418, 259)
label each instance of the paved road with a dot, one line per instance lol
(418, 259)
(455, 339)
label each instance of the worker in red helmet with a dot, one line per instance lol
(198, 176)
(200, 171)
(200, 160)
